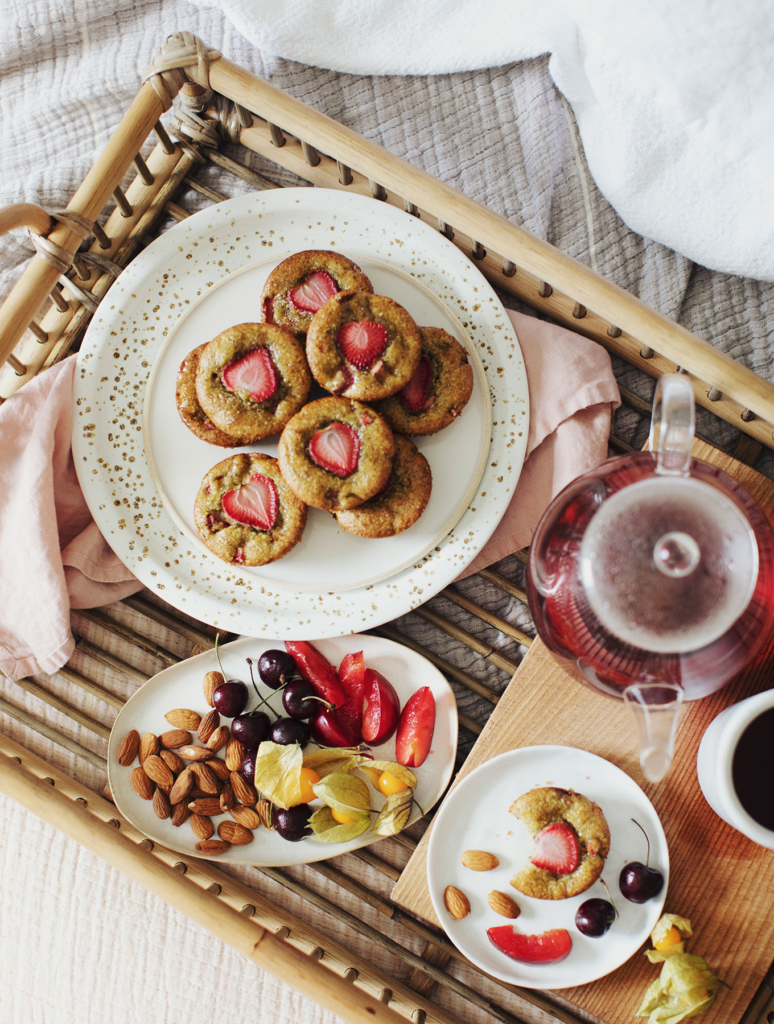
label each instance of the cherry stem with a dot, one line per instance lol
(217, 655)
(647, 859)
(615, 908)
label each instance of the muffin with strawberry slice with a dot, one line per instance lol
(572, 840)
(304, 282)
(438, 391)
(251, 379)
(245, 512)
(400, 503)
(362, 346)
(336, 454)
(191, 413)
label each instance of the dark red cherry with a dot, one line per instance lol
(230, 698)
(594, 917)
(251, 730)
(300, 700)
(293, 824)
(276, 667)
(290, 730)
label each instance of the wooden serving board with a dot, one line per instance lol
(719, 879)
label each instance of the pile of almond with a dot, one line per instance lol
(186, 780)
(458, 904)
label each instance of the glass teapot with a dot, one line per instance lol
(651, 578)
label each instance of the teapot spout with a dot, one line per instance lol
(655, 707)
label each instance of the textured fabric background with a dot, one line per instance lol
(79, 944)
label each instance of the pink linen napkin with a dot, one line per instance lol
(53, 557)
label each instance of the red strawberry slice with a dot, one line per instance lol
(268, 311)
(336, 448)
(253, 373)
(254, 503)
(557, 849)
(415, 394)
(362, 342)
(546, 948)
(314, 292)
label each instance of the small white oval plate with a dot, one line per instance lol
(127, 336)
(475, 816)
(327, 558)
(181, 687)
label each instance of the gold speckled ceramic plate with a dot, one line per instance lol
(140, 468)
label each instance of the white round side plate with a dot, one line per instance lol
(140, 468)
(475, 816)
(181, 687)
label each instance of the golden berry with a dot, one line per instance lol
(389, 784)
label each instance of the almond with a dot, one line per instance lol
(172, 761)
(211, 682)
(197, 793)
(220, 768)
(503, 905)
(194, 753)
(456, 902)
(208, 725)
(182, 787)
(479, 860)
(149, 744)
(143, 786)
(201, 827)
(234, 755)
(246, 816)
(227, 798)
(244, 793)
(212, 847)
(161, 807)
(180, 813)
(174, 738)
(266, 813)
(218, 738)
(209, 806)
(128, 748)
(155, 769)
(206, 778)
(234, 833)
(183, 718)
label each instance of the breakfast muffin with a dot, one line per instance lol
(572, 840)
(400, 503)
(438, 391)
(251, 379)
(335, 453)
(303, 283)
(191, 413)
(245, 512)
(362, 346)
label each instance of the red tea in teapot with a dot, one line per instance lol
(637, 577)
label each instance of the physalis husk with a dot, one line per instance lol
(278, 773)
(327, 829)
(345, 793)
(686, 987)
(668, 926)
(374, 769)
(395, 814)
(332, 759)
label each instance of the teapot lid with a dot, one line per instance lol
(668, 563)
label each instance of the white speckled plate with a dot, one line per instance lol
(140, 468)
(181, 687)
(476, 816)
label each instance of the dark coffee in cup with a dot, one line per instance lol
(752, 769)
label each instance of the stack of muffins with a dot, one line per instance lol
(347, 453)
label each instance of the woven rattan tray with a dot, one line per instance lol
(124, 201)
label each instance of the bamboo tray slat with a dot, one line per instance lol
(142, 179)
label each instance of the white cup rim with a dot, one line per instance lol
(753, 707)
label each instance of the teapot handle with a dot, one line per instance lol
(672, 425)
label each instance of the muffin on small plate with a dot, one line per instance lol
(572, 840)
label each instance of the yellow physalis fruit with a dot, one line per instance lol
(671, 938)
(308, 778)
(343, 819)
(389, 784)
